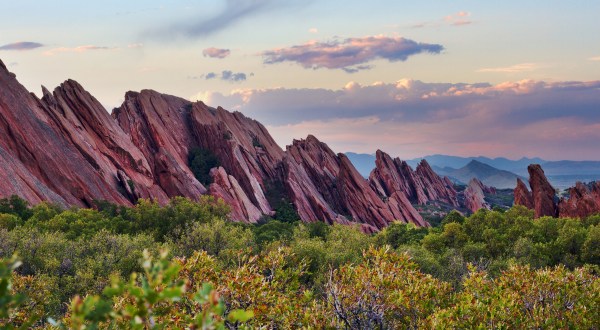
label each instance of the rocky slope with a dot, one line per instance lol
(67, 149)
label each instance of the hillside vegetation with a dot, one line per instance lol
(183, 265)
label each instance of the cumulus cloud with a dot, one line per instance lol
(350, 52)
(233, 12)
(411, 118)
(216, 52)
(25, 45)
(522, 67)
(77, 49)
(227, 75)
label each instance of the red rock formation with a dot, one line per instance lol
(475, 197)
(420, 186)
(39, 156)
(243, 146)
(542, 193)
(542, 198)
(310, 203)
(581, 202)
(158, 126)
(523, 195)
(82, 120)
(340, 186)
(65, 148)
(227, 187)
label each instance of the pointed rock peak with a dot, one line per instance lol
(423, 163)
(521, 185)
(312, 139)
(45, 92)
(537, 176)
(2, 66)
(382, 155)
(131, 95)
(71, 85)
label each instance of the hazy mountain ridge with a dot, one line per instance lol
(562, 174)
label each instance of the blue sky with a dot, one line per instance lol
(511, 78)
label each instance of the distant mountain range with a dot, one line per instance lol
(488, 175)
(562, 174)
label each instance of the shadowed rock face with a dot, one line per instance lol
(67, 149)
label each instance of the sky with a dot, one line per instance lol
(413, 78)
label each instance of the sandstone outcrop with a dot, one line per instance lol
(158, 127)
(421, 186)
(341, 187)
(227, 187)
(523, 195)
(582, 201)
(41, 163)
(542, 198)
(543, 194)
(66, 148)
(475, 195)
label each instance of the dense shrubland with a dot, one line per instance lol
(184, 265)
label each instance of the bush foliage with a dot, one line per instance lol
(108, 268)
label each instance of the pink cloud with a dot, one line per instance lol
(517, 68)
(216, 52)
(78, 49)
(350, 52)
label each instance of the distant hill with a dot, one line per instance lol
(490, 176)
(562, 174)
(517, 166)
(364, 163)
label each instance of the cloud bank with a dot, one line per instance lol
(25, 45)
(216, 52)
(410, 118)
(347, 53)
